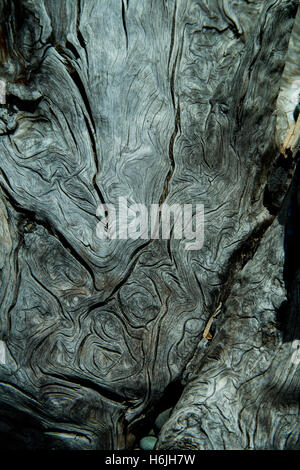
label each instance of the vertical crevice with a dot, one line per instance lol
(94, 153)
(124, 22)
(78, 32)
(171, 155)
(172, 34)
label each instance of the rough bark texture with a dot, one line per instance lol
(159, 101)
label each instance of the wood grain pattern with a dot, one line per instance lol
(159, 101)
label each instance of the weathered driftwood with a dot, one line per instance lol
(159, 101)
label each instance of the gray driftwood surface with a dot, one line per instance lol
(160, 101)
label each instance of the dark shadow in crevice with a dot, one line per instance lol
(144, 425)
(18, 104)
(19, 430)
(288, 318)
(290, 216)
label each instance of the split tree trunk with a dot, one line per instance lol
(157, 101)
